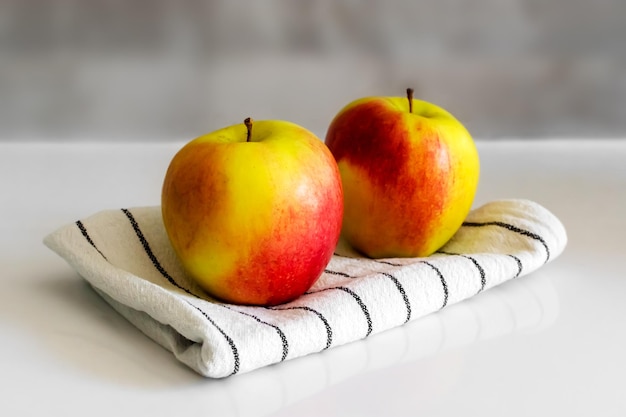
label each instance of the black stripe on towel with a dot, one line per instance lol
(364, 309)
(230, 341)
(339, 273)
(360, 302)
(515, 229)
(402, 293)
(282, 336)
(444, 284)
(392, 278)
(329, 330)
(146, 246)
(83, 230)
(159, 267)
(387, 262)
(519, 265)
(481, 271)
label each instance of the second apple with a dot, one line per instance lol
(410, 171)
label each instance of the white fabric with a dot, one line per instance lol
(125, 255)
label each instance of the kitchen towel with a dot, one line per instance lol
(126, 256)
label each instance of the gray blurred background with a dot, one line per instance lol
(77, 70)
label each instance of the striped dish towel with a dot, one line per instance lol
(126, 256)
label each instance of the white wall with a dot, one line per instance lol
(165, 69)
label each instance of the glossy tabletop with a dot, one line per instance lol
(551, 343)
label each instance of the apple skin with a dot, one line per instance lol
(409, 176)
(254, 222)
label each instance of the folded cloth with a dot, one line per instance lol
(126, 256)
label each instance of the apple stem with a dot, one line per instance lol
(248, 123)
(409, 95)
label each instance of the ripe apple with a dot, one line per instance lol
(254, 212)
(409, 171)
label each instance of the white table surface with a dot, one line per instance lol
(551, 343)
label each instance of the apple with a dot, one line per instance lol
(409, 170)
(253, 211)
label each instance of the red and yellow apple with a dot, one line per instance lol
(254, 212)
(409, 170)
